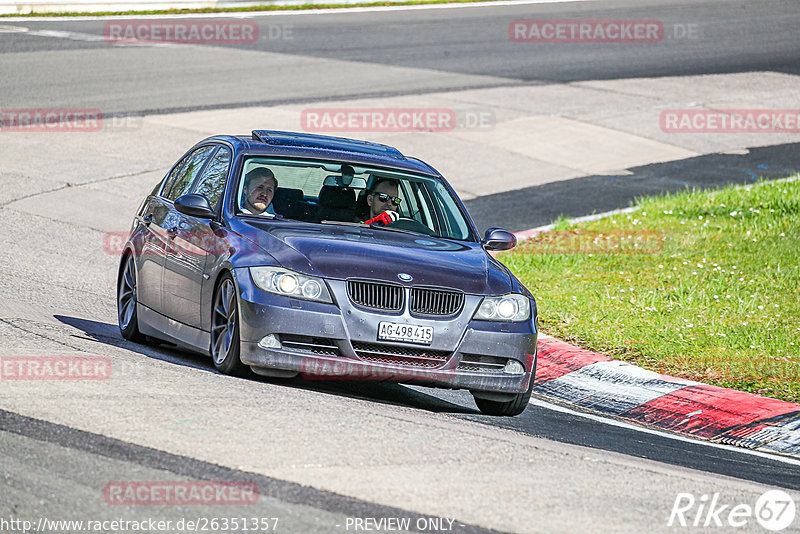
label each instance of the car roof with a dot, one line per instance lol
(323, 147)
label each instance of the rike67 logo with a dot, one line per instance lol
(774, 510)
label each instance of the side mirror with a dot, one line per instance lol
(499, 239)
(194, 205)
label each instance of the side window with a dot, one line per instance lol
(417, 209)
(212, 182)
(189, 169)
(169, 181)
(455, 226)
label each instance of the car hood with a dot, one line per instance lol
(337, 251)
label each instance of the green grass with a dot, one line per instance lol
(265, 7)
(703, 285)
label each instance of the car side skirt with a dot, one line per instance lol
(154, 324)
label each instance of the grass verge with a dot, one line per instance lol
(222, 10)
(702, 285)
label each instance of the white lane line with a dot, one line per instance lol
(660, 433)
(76, 36)
(249, 14)
(12, 29)
(525, 234)
(56, 34)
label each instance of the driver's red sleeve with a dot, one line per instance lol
(384, 218)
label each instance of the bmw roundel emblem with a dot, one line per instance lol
(405, 277)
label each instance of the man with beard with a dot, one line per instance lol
(259, 189)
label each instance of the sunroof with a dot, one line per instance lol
(324, 141)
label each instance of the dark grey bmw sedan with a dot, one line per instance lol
(288, 253)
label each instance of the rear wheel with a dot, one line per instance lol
(126, 302)
(225, 330)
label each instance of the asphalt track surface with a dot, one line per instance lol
(457, 49)
(736, 37)
(739, 36)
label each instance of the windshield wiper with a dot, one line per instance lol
(345, 223)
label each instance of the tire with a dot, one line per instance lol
(126, 301)
(511, 408)
(225, 346)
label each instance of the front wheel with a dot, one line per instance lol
(225, 330)
(512, 407)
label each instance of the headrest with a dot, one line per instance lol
(287, 195)
(332, 196)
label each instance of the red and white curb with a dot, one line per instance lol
(599, 384)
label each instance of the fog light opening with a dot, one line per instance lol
(271, 341)
(513, 367)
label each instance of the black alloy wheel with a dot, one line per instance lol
(126, 302)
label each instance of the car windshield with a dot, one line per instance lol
(332, 192)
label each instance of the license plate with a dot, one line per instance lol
(405, 332)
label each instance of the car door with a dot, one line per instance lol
(192, 240)
(152, 223)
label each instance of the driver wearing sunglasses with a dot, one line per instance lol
(383, 202)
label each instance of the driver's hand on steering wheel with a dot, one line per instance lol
(385, 218)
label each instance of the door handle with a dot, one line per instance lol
(173, 231)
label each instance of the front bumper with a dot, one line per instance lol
(340, 341)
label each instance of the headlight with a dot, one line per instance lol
(511, 307)
(290, 284)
